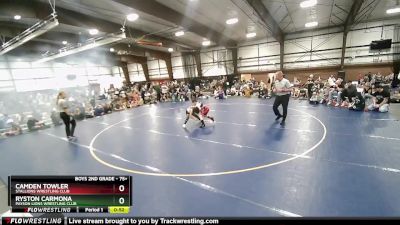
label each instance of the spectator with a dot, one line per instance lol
(335, 92)
(157, 90)
(348, 93)
(98, 110)
(369, 75)
(79, 113)
(164, 92)
(380, 100)
(55, 118)
(111, 91)
(310, 84)
(367, 91)
(331, 81)
(219, 94)
(378, 78)
(358, 102)
(2, 121)
(314, 98)
(89, 112)
(323, 93)
(34, 124)
(14, 130)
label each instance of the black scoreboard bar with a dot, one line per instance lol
(67, 194)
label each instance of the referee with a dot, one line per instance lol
(282, 91)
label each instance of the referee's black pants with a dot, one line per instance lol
(281, 100)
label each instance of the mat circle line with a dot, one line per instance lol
(227, 172)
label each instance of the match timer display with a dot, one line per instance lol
(70, 194)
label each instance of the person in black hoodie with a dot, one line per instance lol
(358, 102)
(348, 93)
(380, 100)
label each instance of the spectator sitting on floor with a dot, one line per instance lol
(164, 92)
(303, 93)
(296, 92)
(367, 93)
(183, 94)
(2, 121)
(153, 96)
(137, 101)
(98, 110)
(14, 130)
(219, 94)
(5, 120)
(348, 93)
(118, 106)
(147, 97)
(331, 81)
(79, 113)
(335, 92)
(55, 118)
(247, 91)
(262, 90)
(107, 108)
(380, 100)
(367, 89)
(34, 124)
(378, 78)
(228, 92)
(358, 102)
(89, 111)
(323, 94)
(314, 98)
(234, 91)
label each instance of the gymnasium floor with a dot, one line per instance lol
(324, 162)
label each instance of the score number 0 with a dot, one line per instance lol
(121, 200)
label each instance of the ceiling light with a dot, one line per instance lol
(132, 17)
(170, 49)
(179, 33)
(93, 31)
(65, 42)
(311, 24)
(206, 43)
(17, 17)
(105, 40)
(393, 10)
(251, 35)
(112, 50)
(308, 3)
(34, 31)
(232, 21)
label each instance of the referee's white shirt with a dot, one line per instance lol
(284, 83)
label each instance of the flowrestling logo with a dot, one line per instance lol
(113, 221)
(31, 220)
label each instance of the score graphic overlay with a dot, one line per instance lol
(70, 194)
